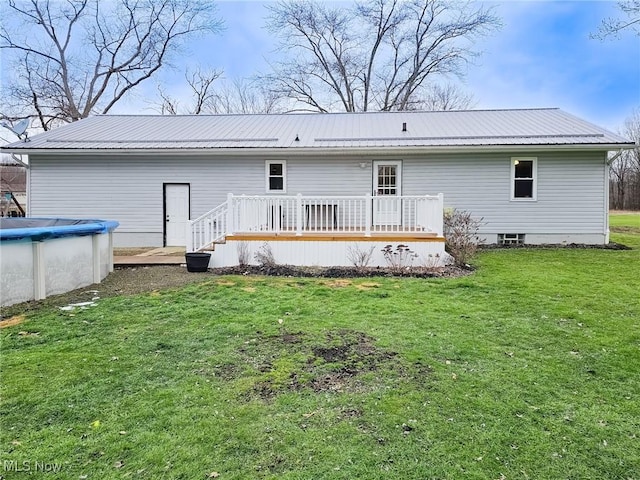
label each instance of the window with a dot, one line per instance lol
(276, 176)
(523, 178)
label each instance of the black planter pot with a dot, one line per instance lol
(197, 261)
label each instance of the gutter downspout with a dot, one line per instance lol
(613, 159)
(16, 159)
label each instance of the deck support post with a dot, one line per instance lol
(368, 214)
(299, 214)
(230, 214)
(438, 216)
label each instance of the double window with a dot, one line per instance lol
(524, 178)
(276, 176)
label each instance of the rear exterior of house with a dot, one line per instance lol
(570, 203)
(532, 176)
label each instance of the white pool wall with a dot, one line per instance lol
(33, 270)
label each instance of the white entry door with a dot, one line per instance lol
(387, 184)
(176, 214)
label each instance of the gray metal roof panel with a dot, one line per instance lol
(327, 131)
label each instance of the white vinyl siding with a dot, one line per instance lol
(570, 192)
(128, 189)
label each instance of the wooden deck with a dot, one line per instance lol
(139, 257)
(329, 236)
(308, 218)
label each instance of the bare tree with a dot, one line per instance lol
(630, 21)
(620, 172)
(245, 96)
(201, 91)
(625, 170)
(79, 57)
(379, 55)
(237, 96)
(444, 97)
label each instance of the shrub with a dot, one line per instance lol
(264, 256)
(244, 253)
(400, 258)
(431, 261)
(461, 234)
(358, 257)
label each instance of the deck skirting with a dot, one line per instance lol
(330, 250)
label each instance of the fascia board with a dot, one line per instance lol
(279, 152)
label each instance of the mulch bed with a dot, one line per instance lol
(343, 272)
(608, 246)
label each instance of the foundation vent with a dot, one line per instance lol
(511, 239)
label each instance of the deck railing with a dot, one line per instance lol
(302, 214)
(207, 229)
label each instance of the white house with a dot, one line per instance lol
(315, 185)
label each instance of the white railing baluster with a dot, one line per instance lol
(209, 228)
(299, 214)
(368, 211)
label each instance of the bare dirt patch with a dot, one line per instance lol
(338, 361)
(123, 281)
(623, 229)
(10, 322)
(339, 283)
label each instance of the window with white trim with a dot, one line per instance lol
(276, 175)
(524, 178)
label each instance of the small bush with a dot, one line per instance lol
(432, 261)
(358, 257)
(244, 253)
(264, 256)
(461, 234)
(399, 258)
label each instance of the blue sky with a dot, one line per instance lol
(542, 57)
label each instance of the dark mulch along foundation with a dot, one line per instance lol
(343, 272)
(608, 246)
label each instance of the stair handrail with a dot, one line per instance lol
(207, 229)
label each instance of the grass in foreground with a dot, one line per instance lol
(530, 368)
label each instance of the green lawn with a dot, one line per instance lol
(625, 228)
(529, 368)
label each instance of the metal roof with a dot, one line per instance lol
(314, 132)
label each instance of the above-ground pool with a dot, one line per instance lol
(49, 256)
